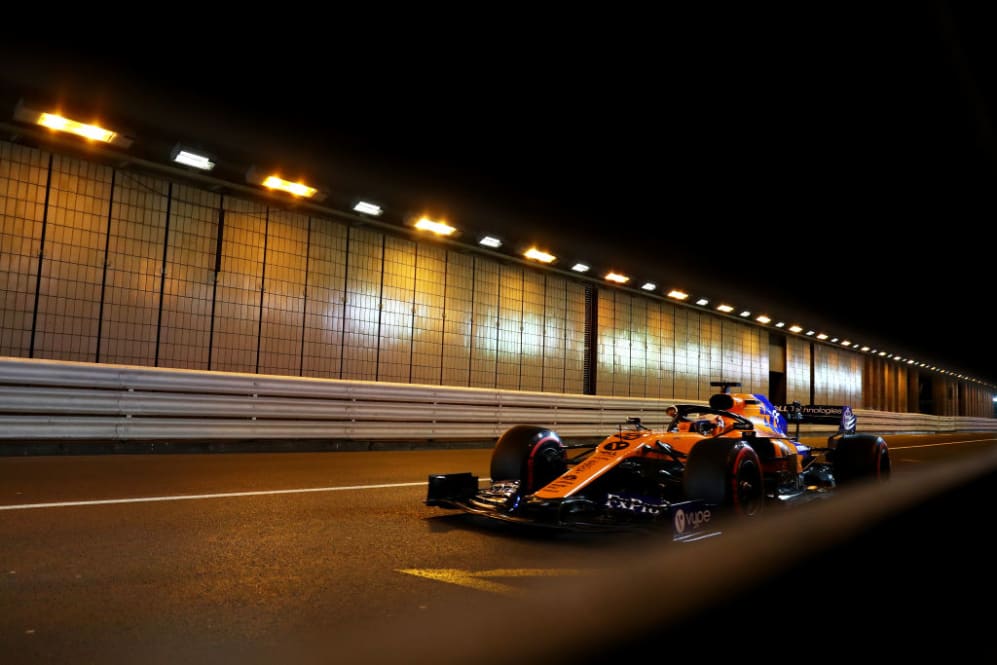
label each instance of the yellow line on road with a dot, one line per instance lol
(479, 580)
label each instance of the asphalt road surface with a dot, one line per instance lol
(218, 558)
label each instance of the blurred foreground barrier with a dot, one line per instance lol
(55, 400)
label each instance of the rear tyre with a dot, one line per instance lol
(726, 473)
(861, 457)
(532, 455)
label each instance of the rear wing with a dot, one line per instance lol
(825, 414)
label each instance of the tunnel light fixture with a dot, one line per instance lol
(761, 318)
(745, 313)
(821, 336)
(795, 328)
(702, 302)
(617, 277)
(679, 294)
(581, 267)
(865, 349)
(834, 340)
(293, 188)
(649, 286)
(910, 362)
(274, 182)
(192, 158)
(539, 255)
(780, 324)
(882, 353)
(490, 241)
(845, 342)
(726, 309)
(60, 123)
(811, 333)
(368, 208)
(433, 226)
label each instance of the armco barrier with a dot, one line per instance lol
(47, 400)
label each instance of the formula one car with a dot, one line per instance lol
(733, 456)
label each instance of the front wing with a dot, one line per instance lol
(688, 520)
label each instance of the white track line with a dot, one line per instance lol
(190, 497)
(225, 495)
(947, 443)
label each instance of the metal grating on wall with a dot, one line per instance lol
(363, 314)
(428, 312)
(325, 299)
(397, 301)
(188, 285)
(72, 269)
(132, 283)
(23, 177)
(283, 293)
(235, 340)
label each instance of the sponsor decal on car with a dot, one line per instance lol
(691, 520)
(633, 504)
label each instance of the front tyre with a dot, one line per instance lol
(532, 455)
(726, 473)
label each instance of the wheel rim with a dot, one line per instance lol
(747, 490)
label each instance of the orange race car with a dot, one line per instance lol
(733, 456)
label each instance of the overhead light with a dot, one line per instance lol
(702, 302)
(275, 182)
(845, 342)
(649, 286)
(439, 228)
(580, 267)
(865, 349)
(188, 157)
(726, 309)
(539, 255)
(616, 277)
(61, 123)
(795, 328)
(882, 353)
(679, 294)
(890, 356)
(780, 324)
(834, 340)
(811, 333)
(763, 319)
(821, 335)
(368, 208)
(910, 362)
(295, 188)
(490, 241)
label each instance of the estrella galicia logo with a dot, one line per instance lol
(616, 445)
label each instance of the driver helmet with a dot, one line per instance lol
(709, 424)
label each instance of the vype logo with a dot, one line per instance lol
(690, 520)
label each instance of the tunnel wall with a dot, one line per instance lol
(107, 265)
